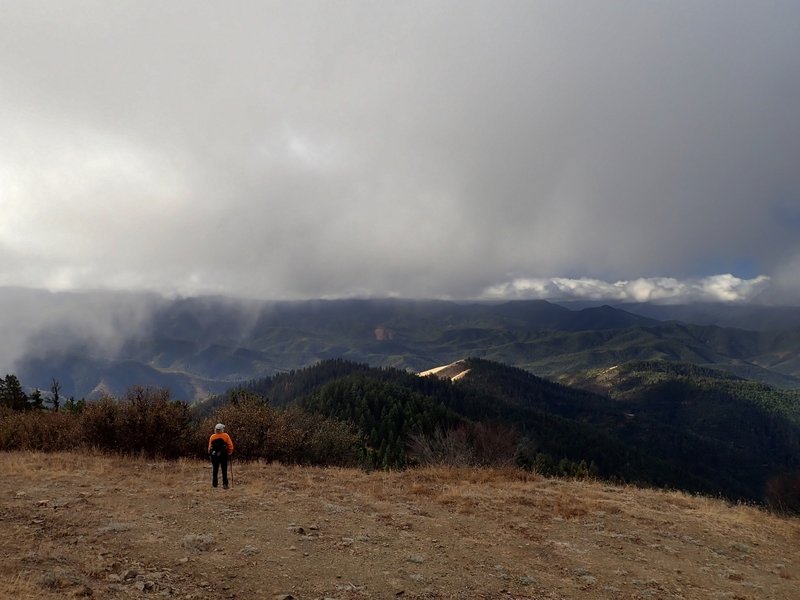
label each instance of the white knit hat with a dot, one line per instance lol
(219, 427)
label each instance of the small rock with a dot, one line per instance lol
(249, 550)
(198, 542)
(130, 574)
(114, 578)
(144, 586)
(285, 597)
(416, 558)
(83, 592)
(115, 528)
(183, 560)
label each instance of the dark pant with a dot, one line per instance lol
(220, 461)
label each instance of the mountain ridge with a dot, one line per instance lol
(654, 437)
(199, 346)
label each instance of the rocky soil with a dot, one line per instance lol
(106, 527)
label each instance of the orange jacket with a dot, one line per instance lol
(223, 436)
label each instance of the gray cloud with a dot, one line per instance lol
(308, 149)
(42, 323)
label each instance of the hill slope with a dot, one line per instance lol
(725, 444)
(75, 525)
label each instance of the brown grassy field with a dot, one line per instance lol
(73, 525)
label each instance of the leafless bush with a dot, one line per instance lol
(783, 494)
(98, 423)
(145, 422)
(291, 435)
(152, 424)
(250, 422)
(310, 438)
(446, 448)
(37, 430)
(468, 446)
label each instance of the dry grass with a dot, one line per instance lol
(121, 528)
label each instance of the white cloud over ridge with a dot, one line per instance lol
(661, 290)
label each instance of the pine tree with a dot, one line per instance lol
(36, 400)
(12, 395)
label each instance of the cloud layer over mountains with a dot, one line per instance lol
(448, 149)
(667, 290)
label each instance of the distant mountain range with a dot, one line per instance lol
(740, 316)
(201, 346)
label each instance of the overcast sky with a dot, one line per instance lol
(620, 149)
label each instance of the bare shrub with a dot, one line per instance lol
(49, 431)
(310, 438)
(98, 423)
(293, 435)
(783, 494)
(8, 438)
(487, 445)
(145, 422)
(37, 430)
(250, 422)
(495, 445)
(447, 448)
(150, 423)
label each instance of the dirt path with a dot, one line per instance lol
(75, 526)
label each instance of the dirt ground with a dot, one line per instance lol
(108, 527)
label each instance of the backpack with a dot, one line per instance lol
(219, 448)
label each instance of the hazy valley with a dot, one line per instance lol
(201, 346)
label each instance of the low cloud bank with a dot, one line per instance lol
(665, 290)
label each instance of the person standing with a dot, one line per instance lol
(220, 447)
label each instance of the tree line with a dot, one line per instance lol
(341, 413)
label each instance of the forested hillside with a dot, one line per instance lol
(677, 433)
